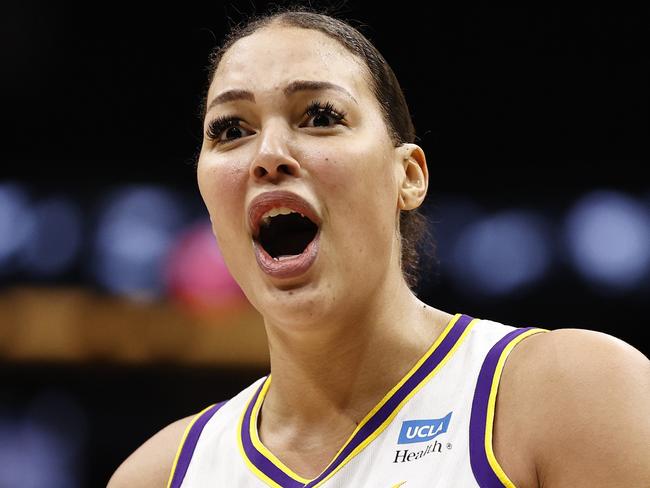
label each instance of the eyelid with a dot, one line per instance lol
(220, 124)
(317, 108)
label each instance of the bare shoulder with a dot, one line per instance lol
(582, 397)
(150, 464)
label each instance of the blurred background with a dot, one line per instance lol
(117, 312)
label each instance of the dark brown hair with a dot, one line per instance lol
(413, 229)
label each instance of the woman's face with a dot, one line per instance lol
(346, 169)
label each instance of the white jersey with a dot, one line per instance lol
(433, 429)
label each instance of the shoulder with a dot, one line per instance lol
(573, 356)
(582, 396)
(150, 465)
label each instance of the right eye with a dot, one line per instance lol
(225, 125)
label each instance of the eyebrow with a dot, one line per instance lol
(290, 89)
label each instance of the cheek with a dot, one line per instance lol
(215, 177)
(352, 173)
(221, 186)
(360, 194)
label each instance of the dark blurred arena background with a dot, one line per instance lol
(117, 313)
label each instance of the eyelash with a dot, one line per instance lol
(224, 122)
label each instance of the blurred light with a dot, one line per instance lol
(135, 231)
(16, 224)
(54, 238)
(196, 273)
(608, 235)
(448, 219)
(44, 447)
(500, 254)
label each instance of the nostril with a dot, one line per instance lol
(274, 165)
(260, 172)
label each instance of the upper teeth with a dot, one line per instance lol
(277, 211)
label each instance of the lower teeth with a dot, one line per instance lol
(284, 258)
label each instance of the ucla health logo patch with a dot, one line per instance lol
(423, 430)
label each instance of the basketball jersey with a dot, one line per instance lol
(433, 429)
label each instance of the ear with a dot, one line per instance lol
(412, 176)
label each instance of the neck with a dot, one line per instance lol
(327, 377)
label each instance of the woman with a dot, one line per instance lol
(311, 178)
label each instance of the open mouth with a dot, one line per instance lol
(286, 235)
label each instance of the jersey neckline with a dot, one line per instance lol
(274, 473)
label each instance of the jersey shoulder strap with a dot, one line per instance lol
(485, 466)
(188, 444)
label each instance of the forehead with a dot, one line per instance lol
(273, 56)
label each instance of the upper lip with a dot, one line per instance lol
(280, 198)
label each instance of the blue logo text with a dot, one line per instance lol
(423, 430)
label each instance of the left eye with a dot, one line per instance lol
(321, 113)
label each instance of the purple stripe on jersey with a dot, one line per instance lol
(257, 458)
(483, 472)
(190, 444)
(430, 363)
(409, 385)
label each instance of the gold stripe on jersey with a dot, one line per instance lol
(496, 467)
(182, 443)
(257, 406)
(390, 418)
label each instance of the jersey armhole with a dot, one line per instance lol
(487, 470)
(188, 444)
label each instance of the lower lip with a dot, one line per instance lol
(287, 267)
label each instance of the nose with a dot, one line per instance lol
(273, 157)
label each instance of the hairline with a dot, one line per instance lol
(363, 65)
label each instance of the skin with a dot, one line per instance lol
(353, 312)
(343, 311)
